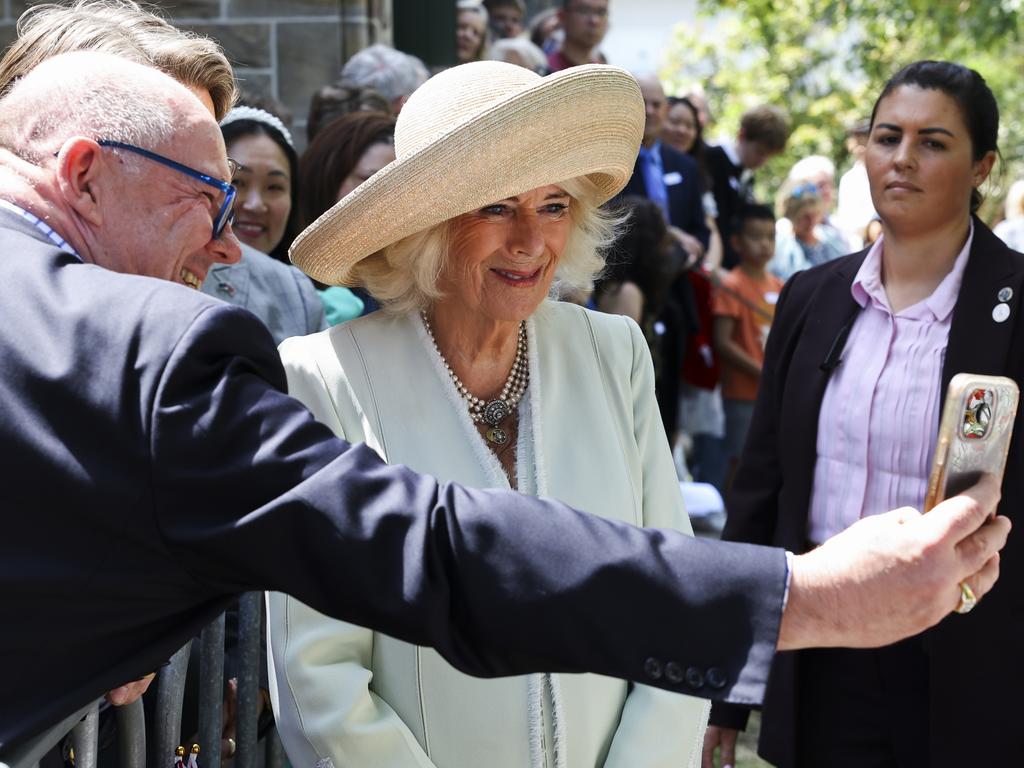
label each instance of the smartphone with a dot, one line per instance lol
(974, 434)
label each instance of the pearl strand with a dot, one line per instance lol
(511, 393)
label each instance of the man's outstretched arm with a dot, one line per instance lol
(256, 494)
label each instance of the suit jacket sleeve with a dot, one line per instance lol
(694, 215)
(658, 729)
(250, 492)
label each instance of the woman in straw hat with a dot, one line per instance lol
(472, 374)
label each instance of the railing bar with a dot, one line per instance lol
(170, 691)
(211, 692)
(250, 611)
(131, 735)
(85, 739)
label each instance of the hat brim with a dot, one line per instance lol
(582, 122)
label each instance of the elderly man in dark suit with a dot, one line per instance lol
(154, 466)
(671, 179)
(667, 176)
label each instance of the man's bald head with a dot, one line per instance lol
(656, 106)
(94, 95)
(156, 204)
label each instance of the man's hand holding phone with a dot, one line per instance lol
(893, 575)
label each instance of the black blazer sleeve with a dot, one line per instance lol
(722, 171)
(685, 199)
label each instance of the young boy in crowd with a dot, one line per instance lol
(743, 308)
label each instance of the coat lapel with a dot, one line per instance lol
(229, 282)
(420, 419)
(977, 343)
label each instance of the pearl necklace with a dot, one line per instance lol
(492, 412)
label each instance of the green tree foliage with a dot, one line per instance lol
(825, 61)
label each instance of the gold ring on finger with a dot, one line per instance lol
(967, 598)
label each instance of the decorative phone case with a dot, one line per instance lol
(974, 434)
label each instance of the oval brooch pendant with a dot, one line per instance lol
(495, 412)
(497, 435)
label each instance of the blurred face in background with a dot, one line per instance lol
(264, 186)
(655, 106)
(826, 184)
(470, 31)
(506, 20)
(585, 22)
(755, 241)
(373, 159)
(753, 154)
(680, 129)
(806, 219)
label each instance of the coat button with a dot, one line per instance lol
(694, 677)
(652, 668)
(716, 678)
(673, 673)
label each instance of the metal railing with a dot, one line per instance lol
(153, 743)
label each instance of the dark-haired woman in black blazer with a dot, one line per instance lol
(857, 365)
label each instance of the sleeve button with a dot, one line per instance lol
(694, 677)
(653, 668)
(716, 678)
(673, 672)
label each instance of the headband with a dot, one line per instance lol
(259, 116)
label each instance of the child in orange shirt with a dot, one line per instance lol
(743, 308)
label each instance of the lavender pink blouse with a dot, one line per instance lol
(880, 414)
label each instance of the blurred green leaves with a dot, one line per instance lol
(826, 60)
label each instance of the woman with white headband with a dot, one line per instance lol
(266, 214)
(473, 373)
(266, 220)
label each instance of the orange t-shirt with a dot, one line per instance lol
(752, 304)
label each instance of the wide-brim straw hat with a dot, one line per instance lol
(476, 134)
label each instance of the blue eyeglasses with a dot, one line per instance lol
(226, 214)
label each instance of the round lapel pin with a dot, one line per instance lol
(1005, 294)
(1000, 313)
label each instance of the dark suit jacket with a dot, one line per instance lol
(153, 468)
(679, 316)
(725, 179)
(685, 207)
(975, 661)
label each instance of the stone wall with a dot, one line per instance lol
(285, 49)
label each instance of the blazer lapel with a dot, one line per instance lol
(977, 342)
(230, 282)
(420, 418)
